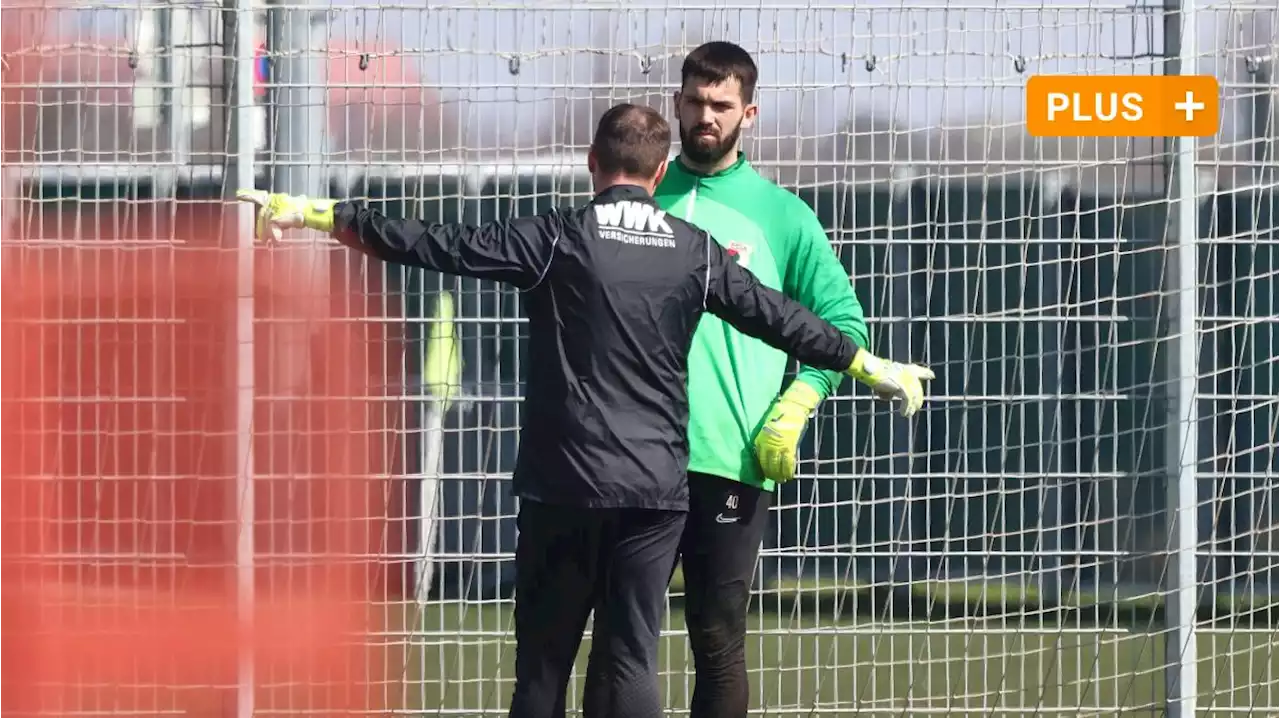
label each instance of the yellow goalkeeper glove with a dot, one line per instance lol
(777, 443)
(278, 212)
(891, 380)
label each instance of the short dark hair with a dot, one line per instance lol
(717, 61)
(631, 140)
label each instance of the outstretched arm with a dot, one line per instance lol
(815, 277)
(737, 296)
(517, 251)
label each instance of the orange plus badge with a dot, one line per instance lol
(1122, 106)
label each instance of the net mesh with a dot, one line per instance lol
(1004, 554)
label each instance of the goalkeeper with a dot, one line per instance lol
(614, 291)
(743, 437)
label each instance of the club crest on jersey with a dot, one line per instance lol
(740, 252)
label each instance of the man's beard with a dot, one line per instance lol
(691, 147)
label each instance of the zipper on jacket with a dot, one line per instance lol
(693, 199)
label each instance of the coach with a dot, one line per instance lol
(614, 292)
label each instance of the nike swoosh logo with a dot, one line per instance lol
(722, 519)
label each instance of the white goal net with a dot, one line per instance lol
(1009, 552)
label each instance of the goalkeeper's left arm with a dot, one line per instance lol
(814, 276)
(737, 296)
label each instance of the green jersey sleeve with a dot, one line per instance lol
(815, 278)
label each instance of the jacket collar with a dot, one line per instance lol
(623, 191)
(739, 165)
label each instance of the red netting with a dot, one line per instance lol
(122, 508)
(119, 460)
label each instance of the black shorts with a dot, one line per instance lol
(722, 538)
(569, 562)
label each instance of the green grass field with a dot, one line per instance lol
(803, 662)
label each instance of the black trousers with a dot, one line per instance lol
(570, 561)
(718, 553)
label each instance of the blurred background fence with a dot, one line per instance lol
(1035, 276)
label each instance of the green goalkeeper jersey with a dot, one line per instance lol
(733, 378)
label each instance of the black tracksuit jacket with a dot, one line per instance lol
(613, 291)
